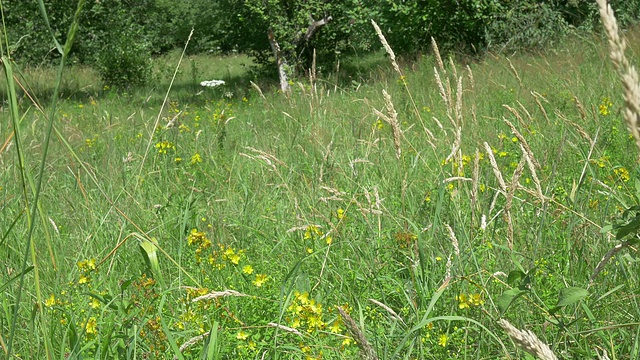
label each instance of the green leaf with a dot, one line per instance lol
(150, 255)
(514, 276)
(605, 229)
(507, 298)
(571, 295)
(631, 227)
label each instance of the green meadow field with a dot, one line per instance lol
(373, 212)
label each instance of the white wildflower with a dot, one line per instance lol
(212, 83)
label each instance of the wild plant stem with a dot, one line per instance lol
(54, 101)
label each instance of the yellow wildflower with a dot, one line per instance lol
(442, 340)
(235, 259)
(94, 303)
(463, 301)
(476, 299)
(242, 335)
(335, 327)
(91, 328)
(622, 173)
(260, 280)
(195, 159)
(247, 269)
(50, 301)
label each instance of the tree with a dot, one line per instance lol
(288, 32)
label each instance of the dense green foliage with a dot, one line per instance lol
(391, 219)
(156, 26)
(302, 204)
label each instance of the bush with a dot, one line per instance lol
(526, 25)
(125, 61)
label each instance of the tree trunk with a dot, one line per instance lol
(281, 62)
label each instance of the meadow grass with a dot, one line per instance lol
(399, 216)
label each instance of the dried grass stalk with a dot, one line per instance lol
(217, 294)
(534, 175)
(192, 341)
(255, 86)
(471, 81)
(494, 166)
(537, 97)
(515, 72)
(454, 239)
(368, 352)
(515, 182)
(453, 68)
(583, 113)
(458, 110)
(522, 140)
(474, 185)
(528, 341)
(455, 148)
(455, 178)
(528, 116)
(441, 90)
(391, 117)
(605, 259)
(627, 72)
(436, 52)
(285, 328)
(387, 48)
(472, 84)
(393, 314)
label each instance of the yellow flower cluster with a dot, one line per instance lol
(260, 280)
(470, 300)
(91, 327)
(164, 147)
(622, 174)
(313, 232)
(603, 109)
(245, 337)
(305, 313)
(86, 267)
(199, 239)
(195, 159)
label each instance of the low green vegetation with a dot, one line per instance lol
(237, 222)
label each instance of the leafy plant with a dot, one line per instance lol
(123, 62)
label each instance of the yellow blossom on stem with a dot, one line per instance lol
(94, 303)
(463, 301)
(195, 159)
(442, 340)
(260, 280)
(242, 335)
(91, 327)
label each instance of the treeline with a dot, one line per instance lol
(119, 36)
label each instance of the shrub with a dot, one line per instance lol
(526, 25)
(125, 61)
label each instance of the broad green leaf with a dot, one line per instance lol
(514, 276)
(605, 229)
(631, 227)
(150, 255)
(571, 295)
(507, 298)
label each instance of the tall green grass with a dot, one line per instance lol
(267, 213)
